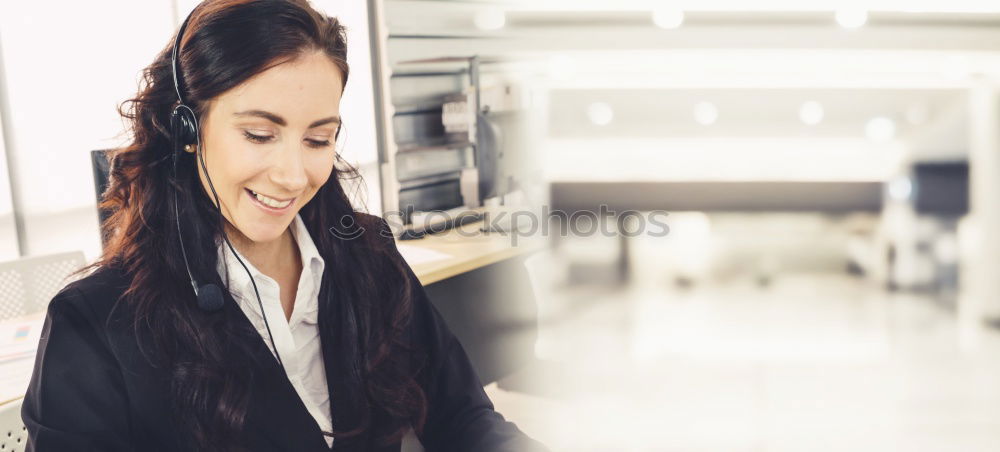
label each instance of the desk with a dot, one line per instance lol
(464, 249)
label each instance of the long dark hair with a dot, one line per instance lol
(226, 43)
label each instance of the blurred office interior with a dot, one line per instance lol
(829, 173)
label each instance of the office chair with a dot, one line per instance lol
(13, 434)
(27, 285)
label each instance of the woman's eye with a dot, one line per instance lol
(257, 138)
(318, 143)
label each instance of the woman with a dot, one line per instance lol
(322, 337)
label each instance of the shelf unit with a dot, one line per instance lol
(421, 163)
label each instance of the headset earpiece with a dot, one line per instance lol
(184, 124)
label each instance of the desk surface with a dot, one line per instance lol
(440, 256)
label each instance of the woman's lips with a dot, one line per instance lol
(267, 208)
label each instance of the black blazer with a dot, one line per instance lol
(91, 389)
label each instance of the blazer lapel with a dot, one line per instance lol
(339, 340)
(276, 412)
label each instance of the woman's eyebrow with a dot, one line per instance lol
(281, 121)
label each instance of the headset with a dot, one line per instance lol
(184, 131)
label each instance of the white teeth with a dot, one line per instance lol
(271, 202)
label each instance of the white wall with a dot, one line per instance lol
(360, 145)
(67, 67)
(8, 233)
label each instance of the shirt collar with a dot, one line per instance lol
(239, 283)
(311, 260)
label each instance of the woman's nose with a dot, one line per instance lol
(288, 171)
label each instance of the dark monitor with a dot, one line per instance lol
(101, 168)
(941, 188)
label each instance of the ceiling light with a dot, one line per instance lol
(490, 19)
(880, 129)
(668, 18)
(600, 113)
(851, 18)
(706, 113)
(811, 113)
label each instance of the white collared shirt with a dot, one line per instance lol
(297, 339)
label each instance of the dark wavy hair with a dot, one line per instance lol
(226, 43)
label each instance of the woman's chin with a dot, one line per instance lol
(263, 231)
(268, 235)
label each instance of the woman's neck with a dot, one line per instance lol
(267, 257)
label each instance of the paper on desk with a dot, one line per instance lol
(15, 374)
(415, 255)
(19, 336)
(18, 342)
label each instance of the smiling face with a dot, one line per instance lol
(269, 144)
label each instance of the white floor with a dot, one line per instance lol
(815, 362)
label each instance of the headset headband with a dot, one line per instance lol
(175, 54)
